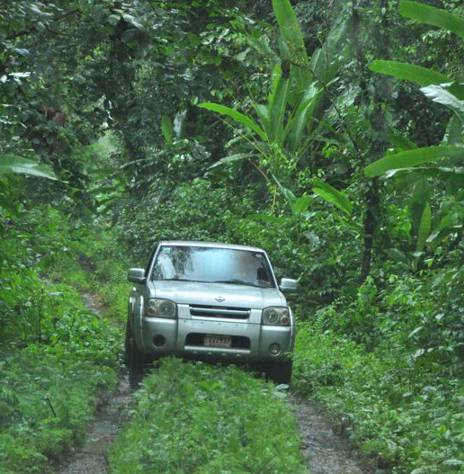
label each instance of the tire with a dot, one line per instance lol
(280, 372)
(135, 360)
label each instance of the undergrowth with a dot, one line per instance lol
(192, 417)
(385, 367)
(46, 402)
(57, 357)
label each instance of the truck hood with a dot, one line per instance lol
(229, 295)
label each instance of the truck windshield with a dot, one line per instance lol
(212, 265)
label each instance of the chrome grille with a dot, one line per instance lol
(223, 312)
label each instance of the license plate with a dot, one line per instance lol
(217, 341)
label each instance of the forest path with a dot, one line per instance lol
(92, 457)
(325, 451)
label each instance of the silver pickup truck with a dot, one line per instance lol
(210, 301)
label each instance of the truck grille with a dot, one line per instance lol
(222, 312)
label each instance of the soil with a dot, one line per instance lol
(326, 452)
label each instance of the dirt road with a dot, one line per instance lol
(325, 451)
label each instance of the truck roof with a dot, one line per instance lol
(193, 243)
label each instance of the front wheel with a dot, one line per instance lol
(280, 371)
(134, 359)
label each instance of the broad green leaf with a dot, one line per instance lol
(408, 72)
(325, 61)
(18, 75)
(454, 131)
(290, 30)
(21, 51)
(400, 142)
(263, 114)
(295, 48)
(301, 204)
(303, 115)
(167, 129)
(397, 255)
(449, 222)
(35, 9)
(297, 205)
(432, 171)
(260, 43)
(456, 88)
(287, 193)
(242, 119)
(440, 94)
(10, 164)
(420, 194)
(410, 158)
(277, 104)
(432, 16)
(453, 462)
(332, 196)
(451, 176)
(425, 227)
(337, 35)
(230, 159)
(415, 331)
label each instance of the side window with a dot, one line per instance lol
(150, 259)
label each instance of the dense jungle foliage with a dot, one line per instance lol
(329, 132)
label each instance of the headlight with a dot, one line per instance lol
(158, 308)
(276, 316)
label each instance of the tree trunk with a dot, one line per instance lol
(375, 103)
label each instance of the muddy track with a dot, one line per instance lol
(325, 451)
(92, 458)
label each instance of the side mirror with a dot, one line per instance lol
(136, 275)
(287, 285)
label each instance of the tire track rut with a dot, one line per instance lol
(92, 457)
(325, 451)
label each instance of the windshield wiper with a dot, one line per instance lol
(236, 281)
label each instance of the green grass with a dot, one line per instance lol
(196, 418)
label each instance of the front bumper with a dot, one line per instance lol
(184, 337)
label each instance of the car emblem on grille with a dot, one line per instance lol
(220, 299)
